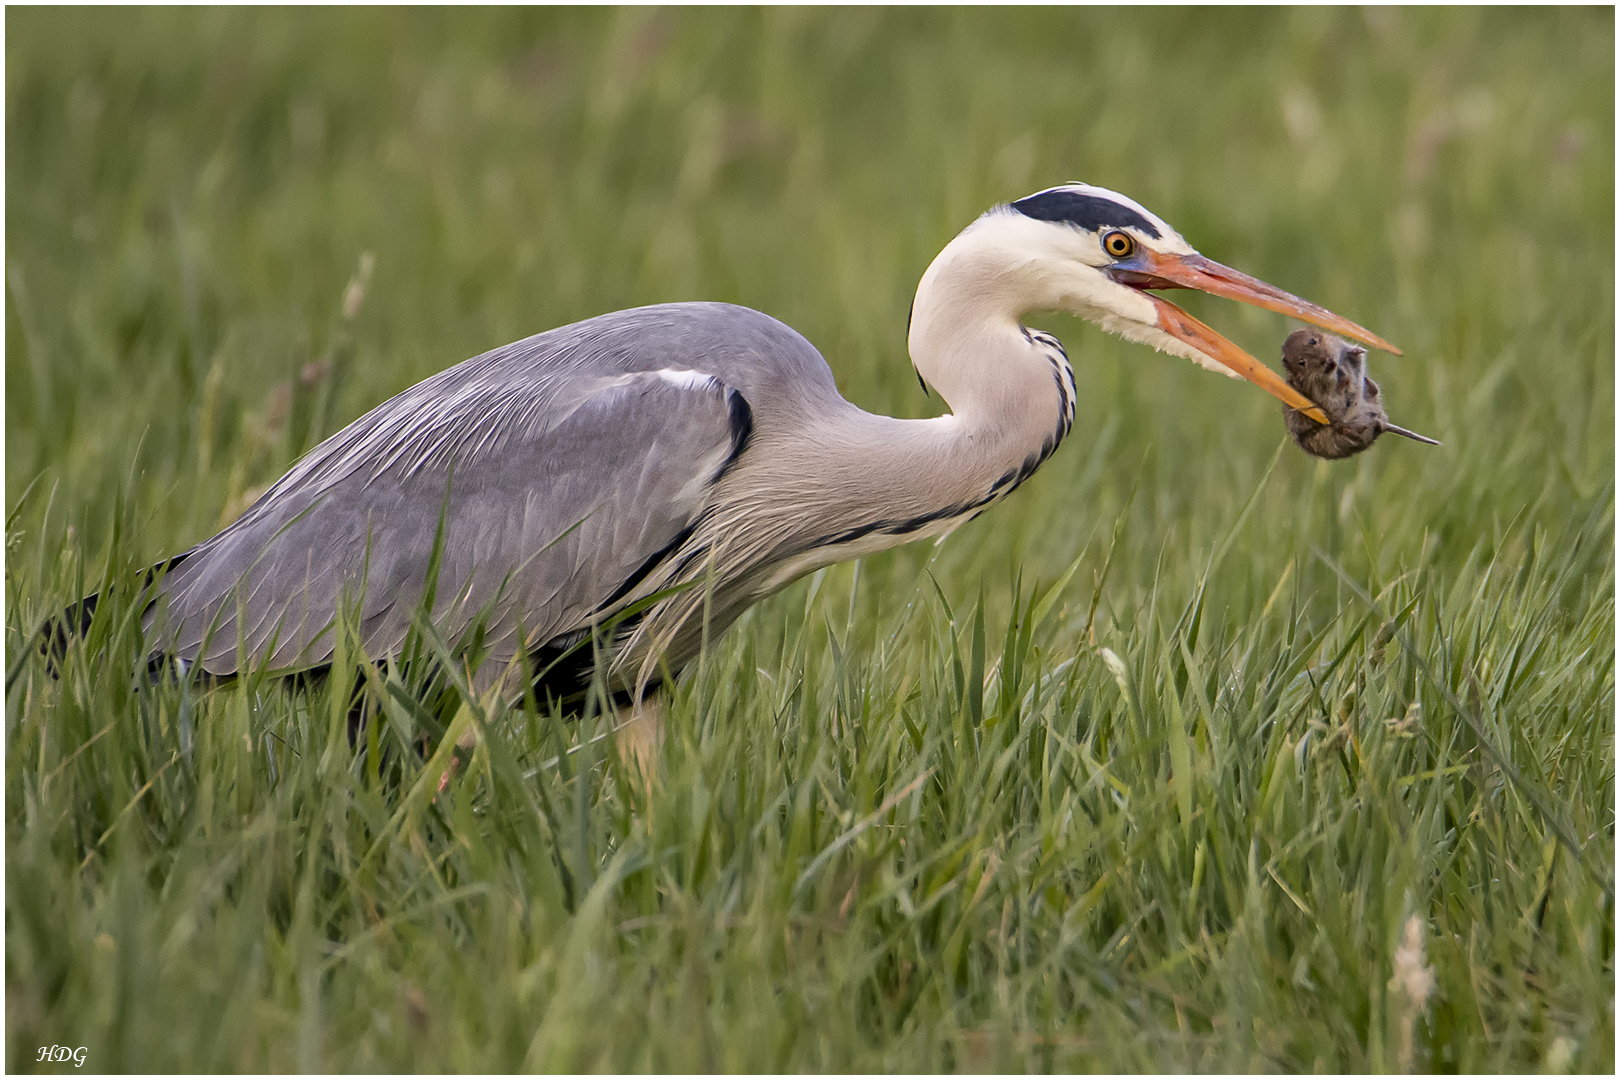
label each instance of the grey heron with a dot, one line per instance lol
(698, 454)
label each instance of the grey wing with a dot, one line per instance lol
(555, 493)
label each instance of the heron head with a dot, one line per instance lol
(1098, 254)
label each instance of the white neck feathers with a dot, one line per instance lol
(966, 337)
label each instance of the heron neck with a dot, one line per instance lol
(967, 340)
(926, 476)
(1010, 388)
(854, 482)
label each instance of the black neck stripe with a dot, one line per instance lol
(1090, 212)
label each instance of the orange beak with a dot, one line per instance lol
(1148, 269)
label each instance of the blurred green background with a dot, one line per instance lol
(192, 194)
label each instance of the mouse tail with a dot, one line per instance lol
(1414, 436)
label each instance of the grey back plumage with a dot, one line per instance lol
(564, 467)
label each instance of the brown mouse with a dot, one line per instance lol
(1333, 374)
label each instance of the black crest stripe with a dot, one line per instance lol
(1089, 212)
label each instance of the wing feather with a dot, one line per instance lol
(559, 475)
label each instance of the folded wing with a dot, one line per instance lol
(559, 481)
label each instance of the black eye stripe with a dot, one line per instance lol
(1089, 212)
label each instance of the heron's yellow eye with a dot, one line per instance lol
(1118, 244)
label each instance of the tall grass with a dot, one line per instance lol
(1153, 767)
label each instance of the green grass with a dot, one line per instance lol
(918, 813)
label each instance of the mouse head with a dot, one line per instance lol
(1309, 352)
